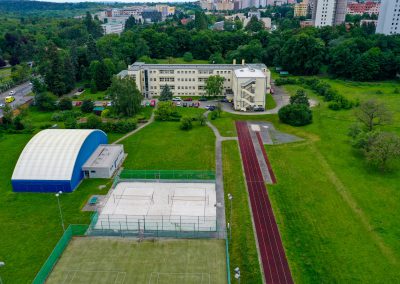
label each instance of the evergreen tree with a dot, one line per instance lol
(130, 23)
(92, 52)
(166, 94)
(200, 21)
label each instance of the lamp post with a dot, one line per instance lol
(230, 197)
(237, 274)
(1, 265)
(59, 207)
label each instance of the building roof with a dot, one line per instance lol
(51, 154)
(104, 156)
(142, 65)
(247, 72)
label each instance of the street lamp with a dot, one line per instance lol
(230, 197)
(1, 265)
(59, 207)
(237, 274)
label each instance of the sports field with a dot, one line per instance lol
(116, 260)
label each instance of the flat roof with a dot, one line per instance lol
(247, 72)
(104, 156)
(143, 65)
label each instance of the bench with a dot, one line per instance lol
(93, 200)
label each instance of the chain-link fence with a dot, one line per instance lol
(166, 175)
(71, 231)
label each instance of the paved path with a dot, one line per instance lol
(136, 130)
(271, 251)
(219, 178)
(20, 94)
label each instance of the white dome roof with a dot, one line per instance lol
(51, 155)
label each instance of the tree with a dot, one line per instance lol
(300, 98)
(384, 149)
(188, 57)
(372, 113)
(295, 114)
(166, 94)
(93, 122)
(200, 21)
(20, 73)
(215, 85)
(130, 23)
(65, 104)
(87, 106)
(2, 62)
(254, 25)
(202, 119)
(125, 96)
(302, 54)
(92, 52)
(216, 58)
(101, 75)
(45, 101)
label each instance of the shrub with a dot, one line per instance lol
(105, 113)
(93, 122)
(166, 111)
(295, 115)
(214, 115)
(45, 101)
(186, 123)
(300, 98)
(285, 81)
(65, 104)
(379, 92)
(188, 57)
(87, 106)
(70, 123)
(396, 91)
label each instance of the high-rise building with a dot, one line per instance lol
(389, 17)
(329, 12)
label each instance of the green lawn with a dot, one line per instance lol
(163, 146)
(269, 102)
(179, 60)
(117, 260)
(30, 223)
(5, 72)
(88, 95)
(242, 250)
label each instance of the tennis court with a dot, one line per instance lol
(165, 206)
(117, 260)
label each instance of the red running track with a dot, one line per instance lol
(273, 258)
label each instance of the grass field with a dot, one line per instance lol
(269, 102)
(163, 146)
(114, 260)
(242, 250)
(88, 95)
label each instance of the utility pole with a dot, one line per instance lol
(59, 207)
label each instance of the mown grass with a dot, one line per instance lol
(88, 95)
(163, 146)
(269, 102)
(242, 249)
(30, 223)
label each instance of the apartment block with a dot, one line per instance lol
(300, 9)
(245, 84)
(389, 18)
(329, 12)
(370, 8)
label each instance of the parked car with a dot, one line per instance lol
(188, 99)
(9, 99)
(258, 108)
(2, 105)
(185, 104)
(153, 103)
(147, 104)
(176, 99)
(195, 104)
(81, 89)
(224, 100)
(210, 107)
(11, 93)
(109, 104)
(179, 104)
(203, 99)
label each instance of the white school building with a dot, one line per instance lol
(245, 84)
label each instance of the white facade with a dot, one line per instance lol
(389, 17)
(248, 83)
(329, 12)
(104, 161)
(113, 28)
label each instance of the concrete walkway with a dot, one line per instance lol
(219, 178)
(136, 130)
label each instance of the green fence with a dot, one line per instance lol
(71, 231)
(166, 174)
(228, 264)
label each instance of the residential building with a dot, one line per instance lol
(329, 12)
(306, 23)
(389, 17)
(370, 8)
(165, 10)
(245, 84)
(368, 22)
(113, 28)
(300, 9)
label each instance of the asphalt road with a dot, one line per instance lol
(20, 93)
